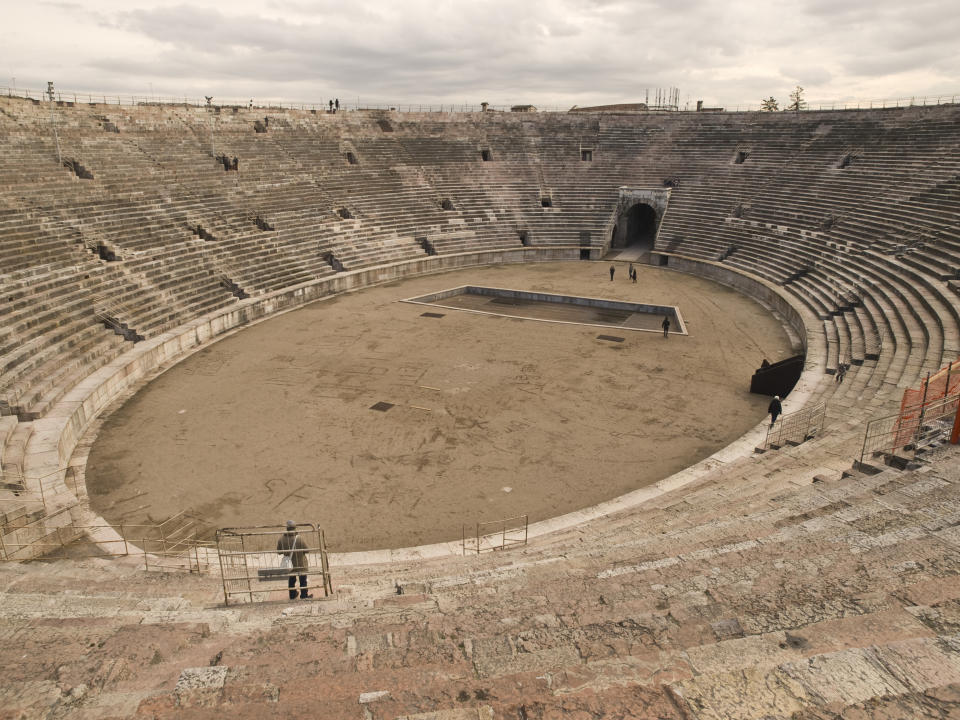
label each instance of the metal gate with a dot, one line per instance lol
(250, 562)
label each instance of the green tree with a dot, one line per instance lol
(797, 103)
(769, 105)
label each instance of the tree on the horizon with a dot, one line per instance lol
(797, 103)
(769, 105)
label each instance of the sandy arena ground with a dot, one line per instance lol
(492, 416)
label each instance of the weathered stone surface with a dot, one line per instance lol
(480, 713)
(200, 686)
(844, 677)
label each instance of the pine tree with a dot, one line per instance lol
(797, 103)
(769, 105)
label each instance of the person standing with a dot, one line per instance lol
(630, 271)
(774, 409)
(292, 546)
(665, 325)
(633, 275)
(612, 270)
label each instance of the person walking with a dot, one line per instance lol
(665, 325)
(841, 371)
(612, 270)
(291, 546)
(633, 275)
(774, 409)
(630, 271)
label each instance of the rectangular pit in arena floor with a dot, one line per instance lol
(548, 307)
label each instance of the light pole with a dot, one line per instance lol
(213, 149)
(53, 121)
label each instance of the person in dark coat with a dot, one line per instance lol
(633, 275)
(292, 545)
(841, 371)
(612, 270)
(665, 325)
(775, 409)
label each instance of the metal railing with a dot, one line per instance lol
(904, 430)
(495, 535)
(133, 100)
(170, 545)
(88, 97)
(796, 427)
(45, 490)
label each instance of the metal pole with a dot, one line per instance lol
(923, 406)
(223, 575)
(955, 435)
(246, 569)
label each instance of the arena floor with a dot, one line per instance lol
(491, 416)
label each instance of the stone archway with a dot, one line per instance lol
(640, 228)
(637, 220)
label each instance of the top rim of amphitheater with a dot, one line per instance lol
(628, 110)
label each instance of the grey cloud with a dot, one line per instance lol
(808, 77)
(582, 50)
(880, 64)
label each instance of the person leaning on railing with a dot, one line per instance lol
(291, 545)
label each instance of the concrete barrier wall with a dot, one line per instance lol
(752, 286)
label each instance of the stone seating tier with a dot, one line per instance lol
(773, 585)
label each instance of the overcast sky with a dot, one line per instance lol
(548, 53)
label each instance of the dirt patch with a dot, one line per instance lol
(491, 416)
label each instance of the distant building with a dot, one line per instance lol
(701, 108)
(619, 108)
(523, 108)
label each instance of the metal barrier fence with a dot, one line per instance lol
(906, 428)
(496, 535)
(171, 545)
(796, 427)
(250, 561)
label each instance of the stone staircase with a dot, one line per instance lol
(750, 595)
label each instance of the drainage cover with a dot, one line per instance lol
(382, 406)
(611, 338)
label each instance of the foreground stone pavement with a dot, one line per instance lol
(746, 596)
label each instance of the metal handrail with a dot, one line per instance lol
(505, 527)
(890, 433)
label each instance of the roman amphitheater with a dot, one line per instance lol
(415, 335)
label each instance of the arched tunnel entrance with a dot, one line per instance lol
(636, 228)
